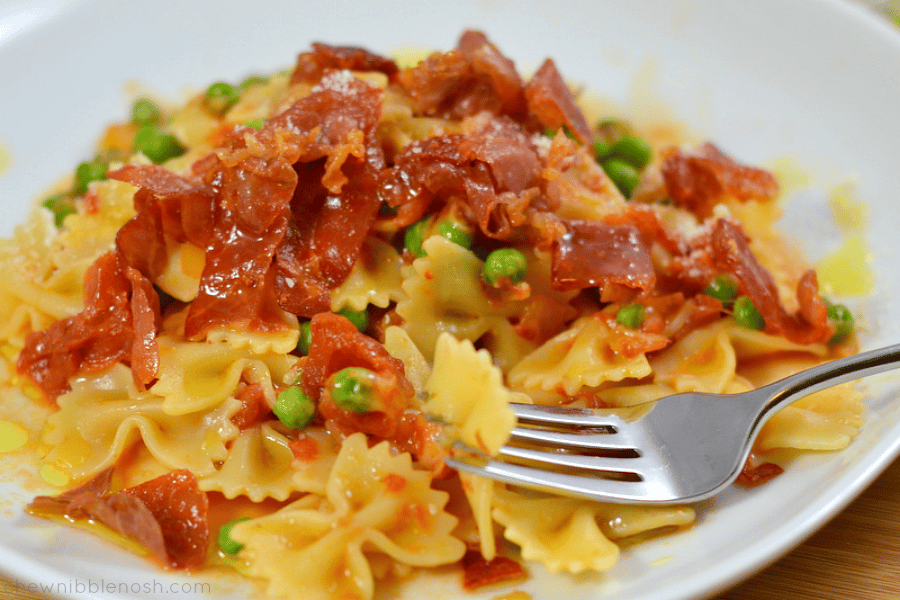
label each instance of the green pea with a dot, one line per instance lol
(221, 96)
(145, 112)
(61, 206)
(256, 123)
(842, 320)
(87, 172)
(622, 173)
(505, 263)
(613, 129)
(601, 150)
(294, 408)
(631, 316)
(633, 150)
(747, 315)
(455, 233)
(723, 288)
(156, 144)
(305, 340)
(227, 544)
(359, 318)
(415, 235)
(353, 389)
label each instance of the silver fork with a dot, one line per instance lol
(689, 447)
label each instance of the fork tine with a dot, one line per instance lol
(597, 488)
(635, 465)
(574, 439)
(539, 414)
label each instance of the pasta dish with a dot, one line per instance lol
(261, 319)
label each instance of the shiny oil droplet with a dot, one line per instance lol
(12, 436)
(53, 476)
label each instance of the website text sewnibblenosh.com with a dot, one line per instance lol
(102, 586)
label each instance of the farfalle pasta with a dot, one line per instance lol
(264, 319)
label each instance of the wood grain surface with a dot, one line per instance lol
(855, 557)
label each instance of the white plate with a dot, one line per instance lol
(816, 80)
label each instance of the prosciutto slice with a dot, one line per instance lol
(119, 324)
(701, 179)
(594, 254)
(167, 515)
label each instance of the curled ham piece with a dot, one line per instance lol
(495, 170)
(731, 252)
(119, 324)
(168, 206)
(330, 212)
(552, 102)
(312, 65)
(594, 254)
(337, 344)
(701, 179)
(167, 515)
(472, 78)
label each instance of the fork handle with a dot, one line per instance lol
(829, 374)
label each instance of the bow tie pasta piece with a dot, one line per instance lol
(104, 415)
(195, 377)
(578, 357)
(826, 420)
(703, 361)
(399, 345)
(48, 286)
(559, 533)
(444, 293)
(575, 535)
(476, 405)
(259, 342)
(375, 503)
(707, 359)
(43, 289)
(258, 466)
(375, 278)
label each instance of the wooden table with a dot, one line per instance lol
(855, 557)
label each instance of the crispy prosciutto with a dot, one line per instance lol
(551, 101)
(312, 65)
(472, 78)
(167, 515)
(593, 254)
(495, 170)
(701, 179)
(167, 205)
(479, 572)
(256, 181)
(118, 324)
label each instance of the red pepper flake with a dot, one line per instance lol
(479, 572)
(253, 406)
(305, 449)
(393, 483)
(754, 475)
